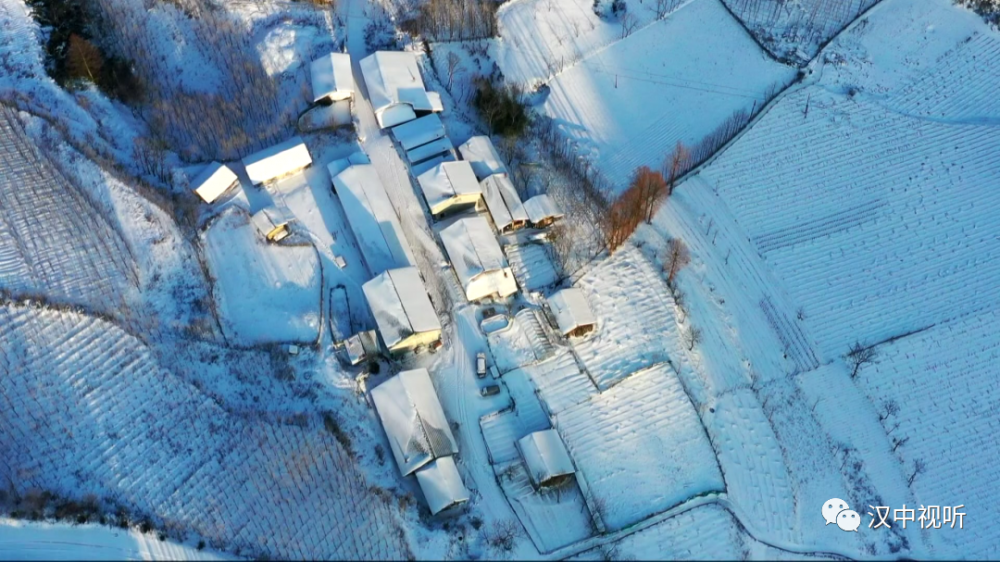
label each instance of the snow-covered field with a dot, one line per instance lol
(675, 80)
(643, 434)
(265, 292)
(94, 398)
(47, 541)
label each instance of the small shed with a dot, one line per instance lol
(413, 419)
(504, 203)
(442, 484)
(449, 187)
(546, 458)
(271, 223)
(396, 89)
(361, 346)
(477, 259)
(331, 78)
(277, 161)
(213, 181)
(572, 313)
(402, 310)
(542, 211)
(480, 152)
(419, 132)
(372, 218)
(431, 150)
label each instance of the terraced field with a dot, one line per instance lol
(78, 392)
(53, 240)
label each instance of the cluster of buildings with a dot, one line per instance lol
(471, 188)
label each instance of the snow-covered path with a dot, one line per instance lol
(453, 374)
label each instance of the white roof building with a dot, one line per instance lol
(373, 219)
(396, 89)
(450, 185)
(413, 420)
(480, 152)
(478, 261)
(546, 457)
(573, 314)
(541, 210)
(442, 484)
(277, 161)
(331, 77)
(271, 222)
(504, 203)
(419, 131)
(402, 310)
(213, 181)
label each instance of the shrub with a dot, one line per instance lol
(502, 106)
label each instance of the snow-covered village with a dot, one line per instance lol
(499, 279)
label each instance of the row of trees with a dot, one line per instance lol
(455, 20)
(646, 193)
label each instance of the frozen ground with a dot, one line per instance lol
(675, 80)
(47, 541)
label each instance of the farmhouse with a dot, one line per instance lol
(331, 78)
(272, 223)
(372, 218)
(573, 314)
(423, 138)
(413, 420)
(213, 181)
(480, 152)
(546, 458)
(450, 187)
(396, 89)
(402, 310)
(277, 161)
(442, 484)
(542, 211)
(478, 261)
(504, 203)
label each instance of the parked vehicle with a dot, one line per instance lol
(490, 390)
(481, 364)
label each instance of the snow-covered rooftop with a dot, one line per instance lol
(395, 87)
(442, 484)
(446, 182)
(419, 131)
(331, 77)
(571, 310)
(541, 208)
(400, 304)
(213, 181)
(477, 258)
(269, 219)
(278, 160)
(439, 147)
(481, 153)
(546, 456)
(373, 219)
(413, 420)
(503, 202)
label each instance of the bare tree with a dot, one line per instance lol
(692, 337)
(501, 536)
(675, 165)
(676, 258)
(860, 356)
(454, 64)
(652, 189)
(918, 468)
(83, 59)
(629, 22)
(663, 7)
(889, 408)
